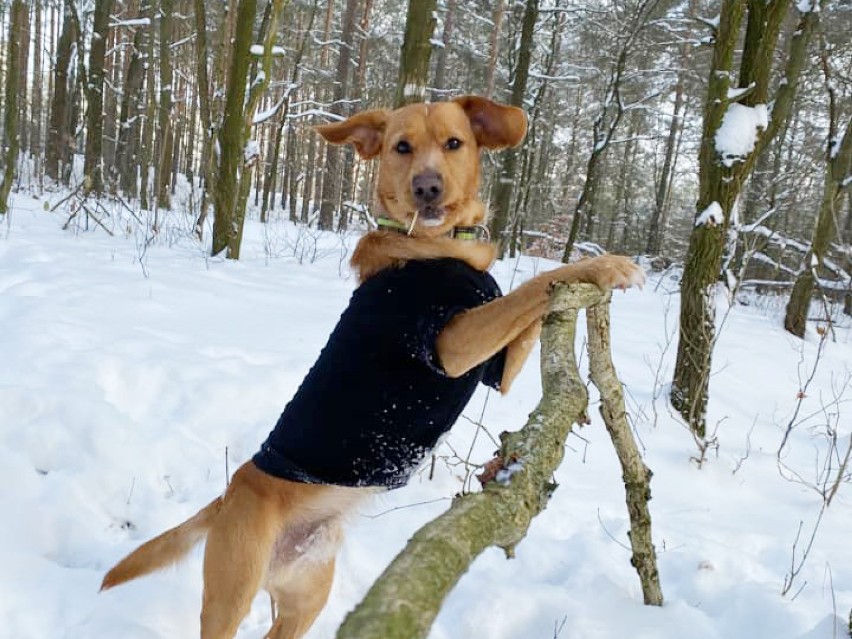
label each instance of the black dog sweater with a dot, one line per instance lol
(377, 400)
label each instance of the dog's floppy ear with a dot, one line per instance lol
(364, 131)
(496, 126)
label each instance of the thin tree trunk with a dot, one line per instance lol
(23, 34)
(147, 153)
(130, 118)
(165, 126)
(37, 89)
(439, 84)
(838, 168)
(93, 165)
(331, 186)
(416, 51)
(59, 139)
(10, 120)
(494, 48)
(504, 187)
(203, 83)
(232, 184)
(269, 184)
(308, 181)
(657, 226)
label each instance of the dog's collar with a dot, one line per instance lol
(468, 233)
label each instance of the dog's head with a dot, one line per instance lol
(429, 157)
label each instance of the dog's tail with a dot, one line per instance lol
(164, 550)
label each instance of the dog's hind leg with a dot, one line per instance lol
(301, 574)
(236, 557)
(300, 601)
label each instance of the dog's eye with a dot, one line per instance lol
(453, 143)
(403, 147)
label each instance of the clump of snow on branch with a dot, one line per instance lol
(713, 215)
(806, 6)
(257, 50)
(504, 475)
(251, 152)
(738, 132)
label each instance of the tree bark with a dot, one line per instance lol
(838, 167)
(37, 89)
(235, 162)
(93, 164)
(132, 102)
(494, 48)
(202, 53)
(231, 143)
(60, 139)
(439, 84)
(657, 225)
(416, 51)
(331, 186)
(504, 186)
(165, 127)
(10, 119)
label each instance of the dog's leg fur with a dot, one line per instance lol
(301, 596)
(517, 352)
(475, 335)
(237, 553)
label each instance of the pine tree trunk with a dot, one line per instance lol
(112, 75)
(231, 142)
(284, 123)
(439, 84)
(60, 139)
(203, 84)
(165, 127)
(837, 169)
(331, 187)
(93, 165)
(234, 178)
(416, 51)
(10, 119)
(657, 225)
(23, 35)
(38, 88)
(129, 128)
(494, 48)
(504, 187)
(147, 150)
(308, 182)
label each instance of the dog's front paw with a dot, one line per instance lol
(609, 271)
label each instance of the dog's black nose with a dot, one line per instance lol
(427, 187)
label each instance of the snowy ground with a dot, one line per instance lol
(127, 372)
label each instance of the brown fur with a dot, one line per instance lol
(283, 536)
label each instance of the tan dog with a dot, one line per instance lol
(283, 535)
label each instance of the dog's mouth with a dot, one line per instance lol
(431, 215)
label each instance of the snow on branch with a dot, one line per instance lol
(135, 22)
(737, 135)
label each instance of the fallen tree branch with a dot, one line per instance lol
(404, 601)
(636, 475)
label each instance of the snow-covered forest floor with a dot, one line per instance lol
(128, 370)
